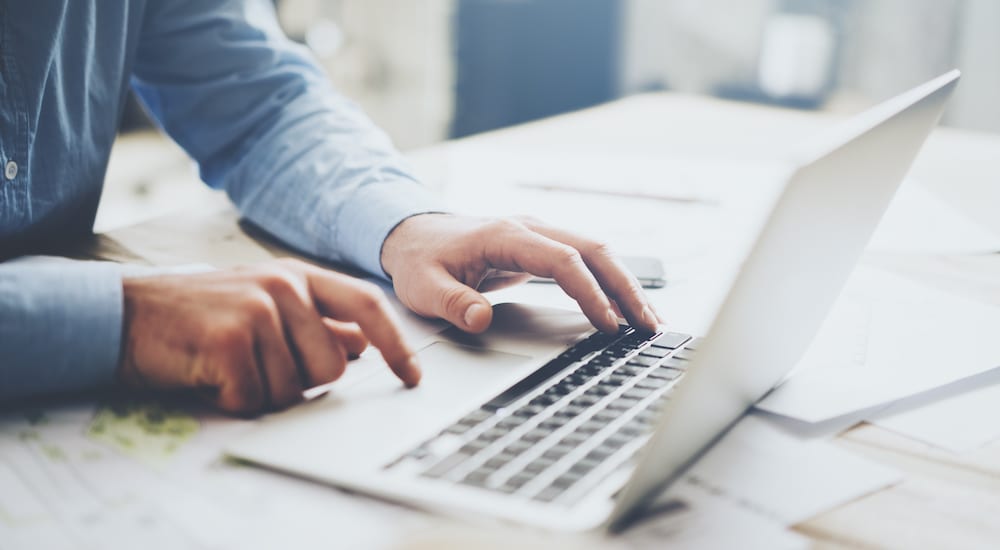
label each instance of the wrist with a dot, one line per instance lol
(401, 238)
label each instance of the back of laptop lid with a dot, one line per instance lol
(788, 282)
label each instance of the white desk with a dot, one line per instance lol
(946, 500)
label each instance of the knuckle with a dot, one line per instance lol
(567, 256)
(258, 306)
(278, 281)
(600, 249)
(370, 298)
(452, 299)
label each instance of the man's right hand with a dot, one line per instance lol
(254, 338)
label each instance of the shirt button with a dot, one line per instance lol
(10, 170)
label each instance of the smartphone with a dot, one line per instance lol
(647, 269)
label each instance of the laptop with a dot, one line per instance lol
(544, 421)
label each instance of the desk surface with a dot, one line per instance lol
(947, 500)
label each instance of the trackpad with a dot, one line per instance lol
(448, 369)
(377, 418)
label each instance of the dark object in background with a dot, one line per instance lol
(519, 60)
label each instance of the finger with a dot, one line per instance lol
(320, 357)
(348, 299)
(438, 294)
(614, 278)
(236, 376)
(525, 250)
(279, 372)
(349, 335)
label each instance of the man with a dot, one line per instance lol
(257, 115)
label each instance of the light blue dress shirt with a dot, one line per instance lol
(251, 107)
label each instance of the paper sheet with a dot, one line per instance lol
(779, 476)
(918, 221)
(705, 521)
(886, 339)
(65, 488)
(961, 422)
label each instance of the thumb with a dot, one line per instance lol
(439, 294)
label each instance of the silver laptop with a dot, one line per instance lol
(543, 421)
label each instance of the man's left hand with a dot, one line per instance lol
(440, 262)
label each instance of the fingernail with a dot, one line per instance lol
(415, 372)
(649, 317)
(473, 312)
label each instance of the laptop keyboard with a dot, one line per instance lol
(565, 427)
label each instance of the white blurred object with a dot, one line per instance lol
(796, 55)
(324, 37)
(959, 423)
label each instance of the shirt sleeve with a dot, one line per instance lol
(61, 326)
(262, 121)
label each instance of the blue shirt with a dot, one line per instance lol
(251, 107)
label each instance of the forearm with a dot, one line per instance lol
(326, 181)
(263, 122)
(60, 326)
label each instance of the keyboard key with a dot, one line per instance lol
(477, 478)
(674, 363)
(565, 414)
(694, 344)
(538, 465)
(623, 403)
(590, 427)
(573, 439)
(630, 370)
(544, 400)
(446, 465)
(685, 354)
(654, 351)
(509, 423)
(585, 400)
(585, 466)
(475, 417)
(653, 383)
(605, 416)
(557, 452)
(535, 435)
(666, 373)
(474, 446)
(515, 483)
(495, 463)
(590, 370)
(603, 361)
(643, 361)
(458, 429)
(567, 479)
(646, 417)
(517, 447)
(599, 454)
(671, 340)
(549, 493)
(553, 423)
(637, 392)
(617, 379)
(600, 390)
(492, 434)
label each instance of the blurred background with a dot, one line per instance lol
(435, 69)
